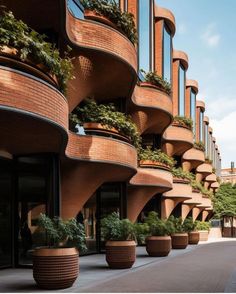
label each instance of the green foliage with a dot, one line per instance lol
(189, 225)
(157, 226)
(155, 155)
(34, 47)
(141, 231)
(208, 160)
(213, 170)
(224, 201)
(180, 173)
(177, 223)
(197, 185)
(110, 9)
(202, 226)
(156, 80)
(184, 121)
(108, 117)
(113, 228)
(60, 233)
(199, 145)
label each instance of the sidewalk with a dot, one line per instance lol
(208, 266)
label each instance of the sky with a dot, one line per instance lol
(205, 30)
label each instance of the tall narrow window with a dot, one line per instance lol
(193, 109)
(201, 128)
(181, 91)
(206, 140)
(76, 8)
(167, 54)
(144, 30)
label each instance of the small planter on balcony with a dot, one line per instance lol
(183, 122)
(120, 245)
(153, 164)
(92, 15)
(181, 176)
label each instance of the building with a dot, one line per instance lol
(228, 175)
(45, 167)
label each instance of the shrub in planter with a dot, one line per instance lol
(183, 121)
(179, 238)
(120, 245)
(56, 266)
(154, 157)
(181, 174)
(159, 241)
(124, 21)
(32, 46)
(141, 231)
(203, 228)
(109, 117)
(199, 146)
(190, 227)
(156, 80)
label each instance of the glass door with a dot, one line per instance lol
(5, 214)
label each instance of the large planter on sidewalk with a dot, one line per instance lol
(179, 240)
(203, 235)
(55, 268)
(158, 245)
(193, 237)
(120, 254)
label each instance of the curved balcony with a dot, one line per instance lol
(201, 104)
(192, 159)
(107, 68)
(188, 205)
(177, 140)
(206, 120)
(215, 185)
(182, 56)
(151, 109)
(167, 15)
(143, 186)
(203, 171)
(193, 84)
(180, 192)
(211, 178)
(33, 113)
(91, 161)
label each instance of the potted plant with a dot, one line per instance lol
(23, 45)
(159, 241)
(153, 79)
(179, 238)
(109, 13)
(154, 158)
(119, 235)
(104, 118)
(190, 226)
(141, 232)
(56, 266)
(203, 228)
(183, 121)
(182, 176)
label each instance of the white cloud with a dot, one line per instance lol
(181, 29)
(210, 36)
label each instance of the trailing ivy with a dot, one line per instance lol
(110, 9)
(34, 47)
(184, 121)
(108, 116)
(156, 80)
(155, 155)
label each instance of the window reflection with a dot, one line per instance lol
(206, 140)
(167, 53)
(193, 109)
(181, 91)
(76, 8)
(144, 35)
(201, 128)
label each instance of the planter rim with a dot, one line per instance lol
(152, 163)
(193, 232)
(120, 243)
(179, 234)
(55, 251)
(158, 238)
(176, 124)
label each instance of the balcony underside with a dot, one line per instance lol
(192, 159)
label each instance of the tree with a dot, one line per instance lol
(224, 201)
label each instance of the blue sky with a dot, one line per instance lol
(205, 30)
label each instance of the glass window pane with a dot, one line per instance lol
(76, 8)
(206, 140)
(181, 91)
(167, 54)
(144, 35)
(201, 129)
(193, 109)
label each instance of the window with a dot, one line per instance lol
(167, 54)
(181, 91)
(201, 128)
(76, 8)
(193, 110)
(145, 31)
(206, 140)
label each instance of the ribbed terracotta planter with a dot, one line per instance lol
(153, 164)
(193, 237)
(120, 254)
(55, 268)
(158, 245)
(203, 235)
(179, 241)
